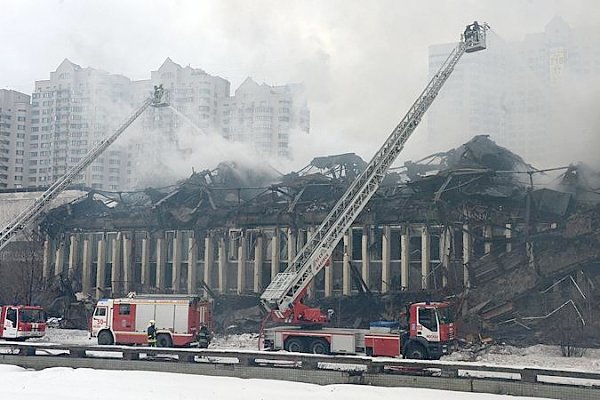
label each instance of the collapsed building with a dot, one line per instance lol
(473, 224)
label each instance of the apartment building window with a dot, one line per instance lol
(20, 118)
(18, 169)
(20, 152)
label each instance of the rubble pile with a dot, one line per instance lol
(522, 284)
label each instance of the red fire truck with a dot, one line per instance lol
(124, 321)
(430, 335)
(431, 329)
(22, 322)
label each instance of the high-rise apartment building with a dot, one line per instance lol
(520, 93)
(71, 112)
(193, 96)
(78, 107)
(265, 116)
(15, 111)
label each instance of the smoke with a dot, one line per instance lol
(162, 161)
(574, 128)
(362, 66)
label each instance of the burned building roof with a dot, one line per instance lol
(479, 174)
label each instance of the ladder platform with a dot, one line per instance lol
(278, 286)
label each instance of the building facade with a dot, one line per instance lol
(71, 112)
(77, 107)
(265, 116)
(15, 109)
(525, 94)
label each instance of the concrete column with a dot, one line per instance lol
(127, 264)
(366, 257)
(73, 254)
(101, 269)
(291, 245)
(59, 259)
(47, 258)
(386, 255)
(508, 236)
(328, 271)
(445, 243)
(241, 264)
(275, 254)
(404, 257)
(346, 271)
(145, 263)
(176, 274)
(209, 258)
(467, 252)
(86, 270)
(299, 241)
(425, 257)
(487, 239)
(116, 264)
(222, 267)
(161, 262)
(258, 264)
(312, 286)
(192, 270)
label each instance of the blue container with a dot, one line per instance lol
(385, 324)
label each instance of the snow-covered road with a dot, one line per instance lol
(89, 384)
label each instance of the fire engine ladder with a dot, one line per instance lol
(287, 286)
(25, 218)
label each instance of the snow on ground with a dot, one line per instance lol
(89, 384)
(538, 356)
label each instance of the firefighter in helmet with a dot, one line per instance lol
(204, 337)
(151, 331)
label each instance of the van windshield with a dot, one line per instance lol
(445, 315)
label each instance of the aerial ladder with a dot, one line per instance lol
(31, 213)
(283, 297)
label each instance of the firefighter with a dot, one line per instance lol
(151, 331)
(204, 337)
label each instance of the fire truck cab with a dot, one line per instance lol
(22, 322)
(124, 321)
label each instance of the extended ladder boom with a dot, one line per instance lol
(26, 217)
(285, 289)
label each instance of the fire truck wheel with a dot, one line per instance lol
(295, 345)
(416, 352)
(164, 340)
(319, 346)
(105, 338)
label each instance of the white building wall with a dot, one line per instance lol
(71, 112)
(15, 109)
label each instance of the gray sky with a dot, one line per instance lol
(363, 62)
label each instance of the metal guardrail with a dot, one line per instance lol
(460, 376)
